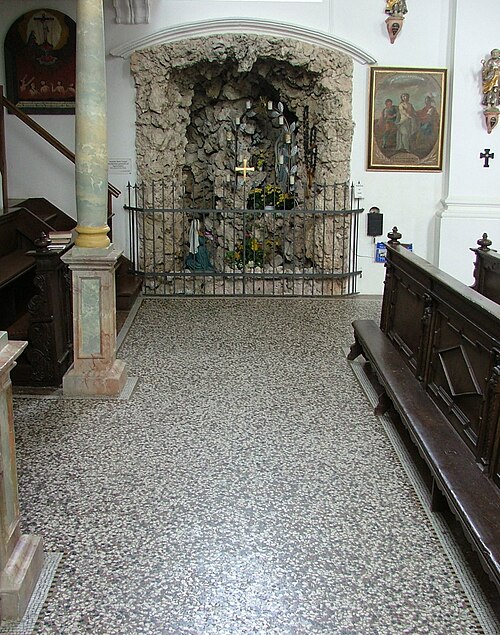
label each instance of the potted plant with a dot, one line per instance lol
(269, 197)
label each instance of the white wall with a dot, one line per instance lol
(412, 201)
(471, 202)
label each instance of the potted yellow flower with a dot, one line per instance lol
(269, 197)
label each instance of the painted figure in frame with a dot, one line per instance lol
(387, 124)
(406, 123)
(406, 126)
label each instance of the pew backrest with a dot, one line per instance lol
(449, 336)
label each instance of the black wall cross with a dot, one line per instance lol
(487, 156)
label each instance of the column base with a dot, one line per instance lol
(94, 383)
(20, 576)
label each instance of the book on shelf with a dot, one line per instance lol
(59, 239)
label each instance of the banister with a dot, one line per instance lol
(3, 159)
(55, 143)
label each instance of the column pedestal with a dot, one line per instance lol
(95, 371)
(21, 556)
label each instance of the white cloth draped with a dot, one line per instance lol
(194, 239)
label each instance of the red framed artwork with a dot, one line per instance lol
(40, 62)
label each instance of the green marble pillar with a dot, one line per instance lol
(91, 153)
(21, 556)
(92, 261)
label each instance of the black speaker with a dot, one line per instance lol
(375, 224)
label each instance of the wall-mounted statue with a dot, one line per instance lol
(490, 76)
(396, 10)
(396, 7)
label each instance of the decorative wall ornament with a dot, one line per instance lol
(40, 62)
(406, 125)
(491, 89)
(396, 10)
(487, 155)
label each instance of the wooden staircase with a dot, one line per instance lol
(128, 285)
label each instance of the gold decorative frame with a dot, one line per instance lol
(406, 119)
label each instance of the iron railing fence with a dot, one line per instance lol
(289, 248)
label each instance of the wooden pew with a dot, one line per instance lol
(487, 270)
(437, 356)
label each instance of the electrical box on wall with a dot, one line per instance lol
(375, 225)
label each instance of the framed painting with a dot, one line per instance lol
(406, 121)
(40, 62)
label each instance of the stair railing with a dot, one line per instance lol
(55, 143)
(3, 159)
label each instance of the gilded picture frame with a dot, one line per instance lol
(406, 119)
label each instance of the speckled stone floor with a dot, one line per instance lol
(244, 488)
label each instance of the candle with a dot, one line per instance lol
(229, 136)
(237, 121)
(288, 138)
(281, 159)
(269, 105)
(292, 179)
(280, 120)
(249, 104)
(228, 178)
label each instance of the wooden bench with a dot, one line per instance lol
(437, 357)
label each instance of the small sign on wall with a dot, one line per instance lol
(120, 166)
(381, 250)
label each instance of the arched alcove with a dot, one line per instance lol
(189, 93)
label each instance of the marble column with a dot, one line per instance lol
(91, 151)
(21, 556)
(95, 371)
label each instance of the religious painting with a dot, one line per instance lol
(40, 62)
(406, 122)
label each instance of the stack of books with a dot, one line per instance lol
(60, 239)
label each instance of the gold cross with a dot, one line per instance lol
(244, 169)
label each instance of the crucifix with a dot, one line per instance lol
(244, 169)
(486, 155)
(45, 27)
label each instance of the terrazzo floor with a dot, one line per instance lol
(244, 488)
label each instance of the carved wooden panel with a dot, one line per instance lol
(449, 336)
(460, 362)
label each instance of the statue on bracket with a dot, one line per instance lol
(491, 86)
(396, 10)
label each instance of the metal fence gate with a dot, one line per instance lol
(271, 245)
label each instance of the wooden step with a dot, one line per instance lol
(128, 288)
(48, 212)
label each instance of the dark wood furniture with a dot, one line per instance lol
(35, 297)
(487, 270)
(437, 356)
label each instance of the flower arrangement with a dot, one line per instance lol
(269, 195)
(251, 253)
